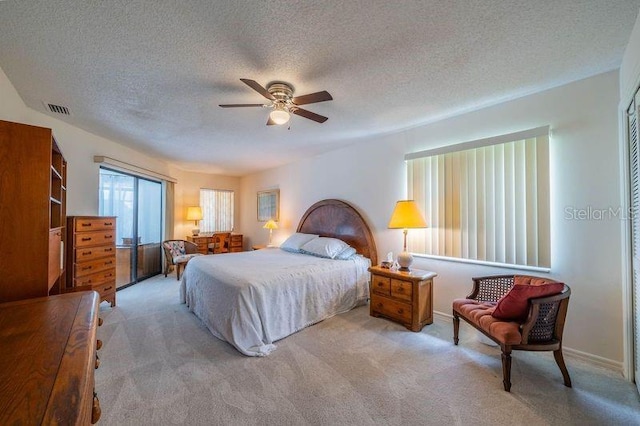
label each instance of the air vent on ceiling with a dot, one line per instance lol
(58, 109)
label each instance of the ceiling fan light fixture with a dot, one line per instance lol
(279, 115)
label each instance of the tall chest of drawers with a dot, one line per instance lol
(91, 256)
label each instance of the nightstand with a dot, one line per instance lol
(403, 297)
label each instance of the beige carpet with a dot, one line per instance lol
(161, 366)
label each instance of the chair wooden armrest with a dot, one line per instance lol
(545, 321)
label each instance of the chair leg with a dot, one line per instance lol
(178, 266)
(506, 368)
(563, 368)
(456, 327)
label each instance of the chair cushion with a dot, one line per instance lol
(184, 258)
(514, 305)
(479, 314)
(176, 248)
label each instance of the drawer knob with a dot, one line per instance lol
(400, 311)
(86, 238)
(97, 361)
(85, 224)
(100, 321)
(108, 288)
(86, 253)
(98, 344)
(96, 412)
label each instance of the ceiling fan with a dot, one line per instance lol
(283, 102)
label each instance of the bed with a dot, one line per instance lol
(253, 299)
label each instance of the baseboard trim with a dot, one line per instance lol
(595, 360)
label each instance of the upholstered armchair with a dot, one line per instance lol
(177, 253)
(516, 322)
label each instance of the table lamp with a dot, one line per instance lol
(194, 213)
(270, 225)
(406, 215)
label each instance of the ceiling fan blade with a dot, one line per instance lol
(312, 98)
(270, 122)
(308, 114)
(240, 105)
(255, 86)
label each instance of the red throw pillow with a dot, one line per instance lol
(514, 305)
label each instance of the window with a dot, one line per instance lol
(486, 200)
(217, 210)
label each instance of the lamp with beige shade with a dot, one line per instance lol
(194, 213)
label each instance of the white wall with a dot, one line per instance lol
(371, 175)
(630, 67)
(79, 147)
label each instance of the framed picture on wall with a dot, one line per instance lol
(268, 205)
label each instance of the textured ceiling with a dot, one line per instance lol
(151, 74)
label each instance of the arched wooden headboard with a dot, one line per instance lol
(338, 219)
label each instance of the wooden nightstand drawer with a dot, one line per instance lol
(381, 285)
(402, 296)
(393, 309)
(401, 290)
(94, 224)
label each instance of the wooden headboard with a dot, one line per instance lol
(337, 219)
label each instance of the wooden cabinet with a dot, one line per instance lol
(404, 297)
(203, 241)
(48, 359)
(91, 254)
(33, 197)
(235, 243)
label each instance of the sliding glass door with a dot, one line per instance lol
(137, 203)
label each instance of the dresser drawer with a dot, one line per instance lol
(390, 308)
(94, 224)
(96, 279)
(401, 290)
(93, 266)
(87, 239)
(381, 285)
(91, 253)
(105, 290)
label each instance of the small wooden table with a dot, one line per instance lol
(403, 297)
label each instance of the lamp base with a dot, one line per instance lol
(195, 231)
(405, 260)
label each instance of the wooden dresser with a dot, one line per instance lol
(47, 360)
(203, 241)
(235, 244)
(33, 199)
(91, 254)
(403, 297)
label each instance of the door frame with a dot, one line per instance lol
(134, 249)
(628, 343)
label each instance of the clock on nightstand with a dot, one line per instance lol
(403, 297)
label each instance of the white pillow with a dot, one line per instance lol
(296, 241)
(324, 247)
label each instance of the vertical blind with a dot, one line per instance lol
(487, 202)
(217, 210)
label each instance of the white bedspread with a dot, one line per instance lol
(252, 299)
